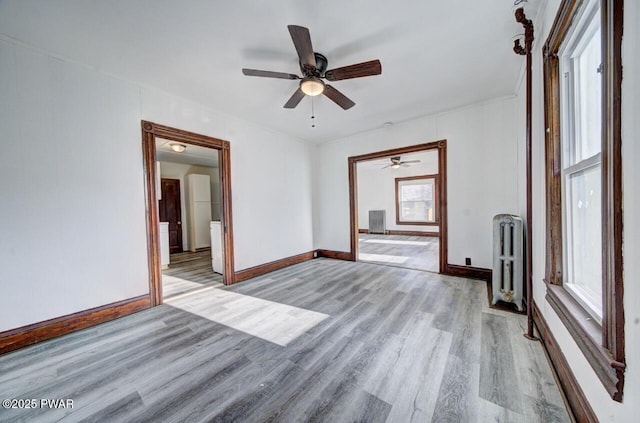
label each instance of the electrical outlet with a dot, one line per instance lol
(467, 261)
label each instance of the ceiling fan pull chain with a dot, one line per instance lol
(313, 115)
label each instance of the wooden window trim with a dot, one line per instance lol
(602, 345)
(436, 183)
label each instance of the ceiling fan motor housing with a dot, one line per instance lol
(321, 66)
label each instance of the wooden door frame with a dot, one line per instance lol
(151, 131)
(441, 147)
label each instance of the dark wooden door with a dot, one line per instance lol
(169, 209)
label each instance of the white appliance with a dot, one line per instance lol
(507, 259)
(198, 202)
(216, 246)
(164, 245)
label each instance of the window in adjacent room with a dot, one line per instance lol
(416, 200)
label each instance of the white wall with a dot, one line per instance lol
(605, 408)
(178, 171)
(482, 175)
(72, 191)
(377, 191)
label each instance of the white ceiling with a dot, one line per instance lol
(436, 55)
(192, 155)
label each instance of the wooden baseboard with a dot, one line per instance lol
(573, 395)
(261, 269)
(26, 335)
(408, 233)
(338, 255)
(469, 272)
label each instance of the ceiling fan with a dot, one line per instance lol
(396, 163)
(314, 69)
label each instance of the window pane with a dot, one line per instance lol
(416, 211)
(584, 237)
(589, 87)
(416, 200)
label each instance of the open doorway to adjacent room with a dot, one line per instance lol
(398, 207)
(189, 217)
(189, 225)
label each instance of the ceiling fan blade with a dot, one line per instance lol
(373, 67)
(412, 161)
(269, 74)
(384, 167)
(294, 100)
(338, 98)
(302, 41)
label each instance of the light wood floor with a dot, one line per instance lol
(411, 252)
(323, 341)
(189, 271)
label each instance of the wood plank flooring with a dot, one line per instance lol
(411, 252)
(367, 343)
(189, 271)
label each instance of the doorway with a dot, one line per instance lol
(189, 211)
(416, 236)
(151, 133)
(170, 211)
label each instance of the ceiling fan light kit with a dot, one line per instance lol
(313, 67)
(312, 86)
(178, 148)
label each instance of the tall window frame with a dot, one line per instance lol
(415, 180)
(581, 190)
(601, 341)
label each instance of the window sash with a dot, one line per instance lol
(408, 206)
(411, 207)
(574, 278)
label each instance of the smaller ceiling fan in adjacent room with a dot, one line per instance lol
(396, 162)
(314, 69)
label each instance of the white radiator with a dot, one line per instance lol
(377, 222)
(507, 259)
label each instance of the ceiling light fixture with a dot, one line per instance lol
(312, 86)
(395, 166)
(178, 148)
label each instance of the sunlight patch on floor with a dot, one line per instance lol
(268, 320)
(396, 242)
(383, 258)
(173, 284)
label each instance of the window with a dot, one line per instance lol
(582, 76)
(581, 98)
(416, 200)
